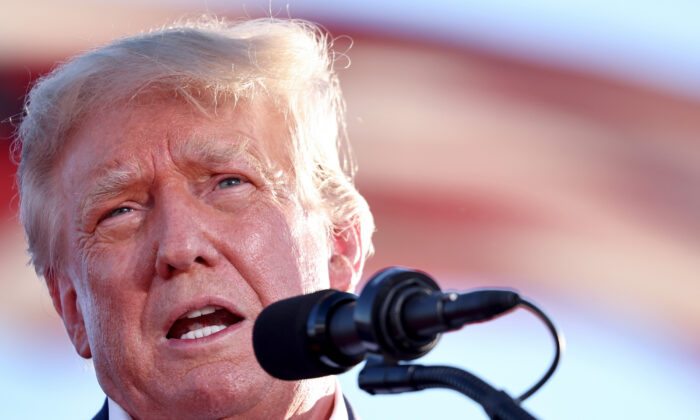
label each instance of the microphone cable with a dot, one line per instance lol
(559, 345)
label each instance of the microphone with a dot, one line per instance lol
(399, 315)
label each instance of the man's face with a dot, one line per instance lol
(176, 222)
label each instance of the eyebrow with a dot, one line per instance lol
(112, 179)
(197, 149)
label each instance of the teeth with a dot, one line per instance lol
(199, 312)
(202, 332)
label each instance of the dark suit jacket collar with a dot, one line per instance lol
(103, 414)
(351, 412)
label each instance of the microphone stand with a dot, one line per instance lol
(378, 377)
(380, 321)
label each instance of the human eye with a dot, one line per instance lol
(117, 212)
(228, 182)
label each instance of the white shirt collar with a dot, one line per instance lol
(116, 412)
(339, 410)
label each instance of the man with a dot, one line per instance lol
(175, 183)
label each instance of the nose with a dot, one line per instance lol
(183, 240)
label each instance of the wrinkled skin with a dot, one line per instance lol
(176, 230)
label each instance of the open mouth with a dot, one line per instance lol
(202, 322)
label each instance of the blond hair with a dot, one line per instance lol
(201, 62)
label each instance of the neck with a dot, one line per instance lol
(309, 400)
(318, 407)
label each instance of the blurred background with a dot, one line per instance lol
(551, 147)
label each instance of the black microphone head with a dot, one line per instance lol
(281, 342)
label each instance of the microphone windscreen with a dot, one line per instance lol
(280, 339)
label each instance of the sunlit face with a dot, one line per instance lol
(176, 222)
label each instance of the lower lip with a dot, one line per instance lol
(186, 343)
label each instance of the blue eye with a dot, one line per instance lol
(120, 210)
(229, 182)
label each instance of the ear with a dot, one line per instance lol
(65, 300)
(347, 259)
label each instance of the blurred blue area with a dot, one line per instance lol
(611, 369)
(646, 42)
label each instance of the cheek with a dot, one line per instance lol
(272, 256)
(114, 284)
(316, 256)
(290, 252)
(116, 265)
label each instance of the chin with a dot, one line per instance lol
(216, 392)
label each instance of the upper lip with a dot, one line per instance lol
(184, 307)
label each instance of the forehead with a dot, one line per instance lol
(124, 137)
